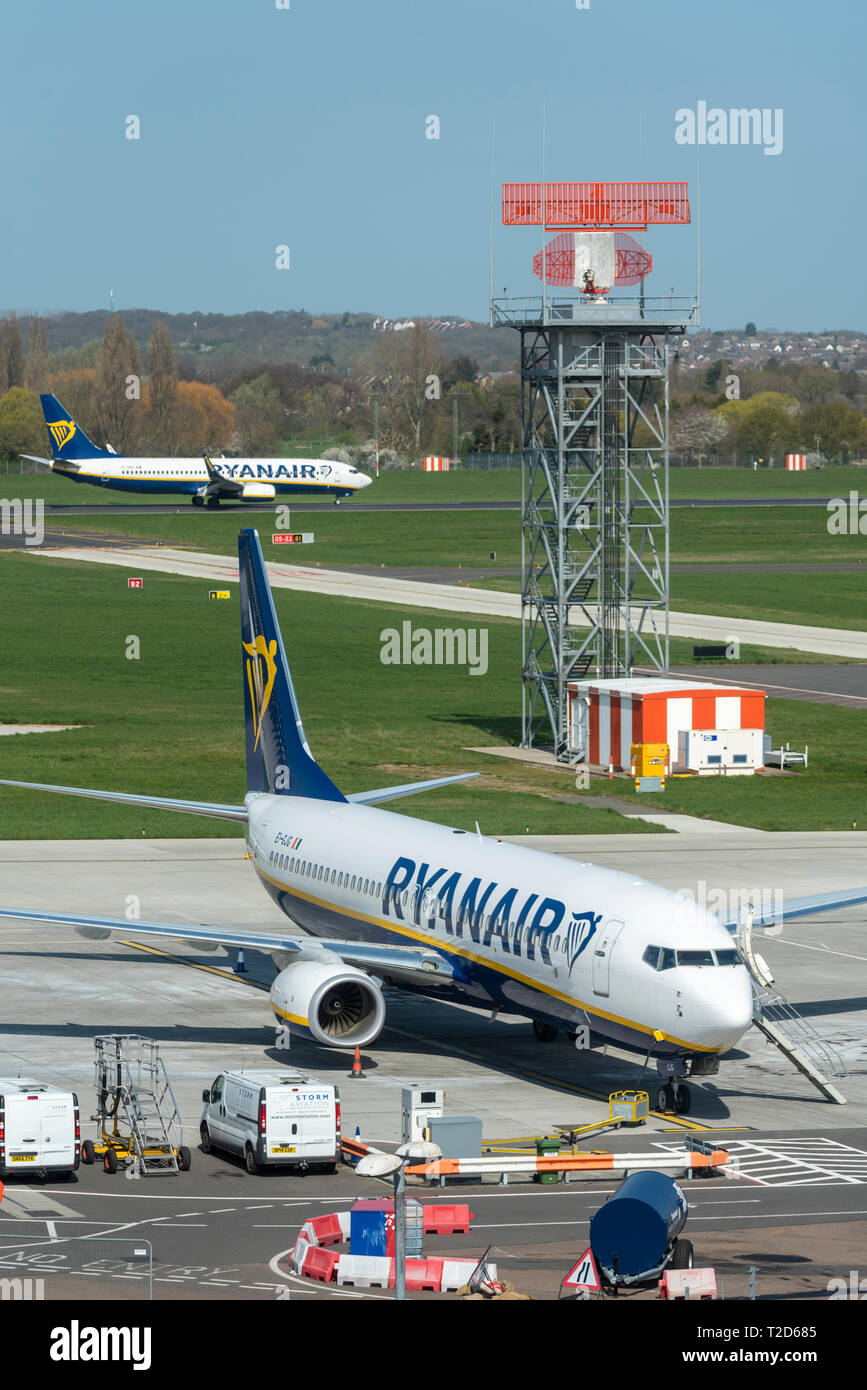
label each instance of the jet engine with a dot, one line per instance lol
(262, 492)
(330, 1002)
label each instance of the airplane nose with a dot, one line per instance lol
(726, 1010)
(366, 480)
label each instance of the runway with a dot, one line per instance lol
(453, 505)
(823, 685)
(490, 603)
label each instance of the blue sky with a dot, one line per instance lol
(306, 127)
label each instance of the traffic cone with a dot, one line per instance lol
(356, 1065)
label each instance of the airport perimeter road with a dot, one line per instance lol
(456, 599)
(824, 685)
(218, 1233)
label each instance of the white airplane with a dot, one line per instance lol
(383, 898)
(201, 479)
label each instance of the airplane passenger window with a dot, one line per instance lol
(666, 959)
(695, 957)
(728, 958)
(340, 879)
(364, 889)
(379, 890)
(651, 956)
(333, 875)
(291, 865)
(352, 884)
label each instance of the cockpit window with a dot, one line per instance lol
(728, 957)
(695, 958)
(651, 956)
(666, 959)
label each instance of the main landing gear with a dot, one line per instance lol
(197, 501)
(674, 1096)
(544, 1032)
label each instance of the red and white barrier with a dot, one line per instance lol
(700, 1282)
(366, 1271)
(299, 1254)
(442, 1220)
(320, 1264)
(457, 1272)
(327, 1230)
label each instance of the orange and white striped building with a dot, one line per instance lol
(796, 463)
(607, 716)
(435, 464)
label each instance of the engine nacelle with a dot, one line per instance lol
(263, 492)
(329, 1002)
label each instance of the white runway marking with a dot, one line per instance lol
(803, 1162)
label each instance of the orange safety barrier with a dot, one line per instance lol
(353, 1150)
(320, 1264)
(445, 1220)
(564, 1163)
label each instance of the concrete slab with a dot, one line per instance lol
(59, 989)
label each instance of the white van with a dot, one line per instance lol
(272, 1119)
(40, 1128)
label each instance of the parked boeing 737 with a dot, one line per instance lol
(203, 480)
(375, 897)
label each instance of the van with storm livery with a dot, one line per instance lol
(272, 1119)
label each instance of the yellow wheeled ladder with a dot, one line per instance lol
(139, 1122)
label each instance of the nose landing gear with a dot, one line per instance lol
(674, 1096)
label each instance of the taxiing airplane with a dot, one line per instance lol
(378, 898)
(204, 480)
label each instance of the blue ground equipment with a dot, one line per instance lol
(634, 1236)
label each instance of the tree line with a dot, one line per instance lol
(406, 389)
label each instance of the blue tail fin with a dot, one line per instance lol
(278, 756)
(68, 440)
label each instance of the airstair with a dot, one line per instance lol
(136, 1107)
(778, 1019)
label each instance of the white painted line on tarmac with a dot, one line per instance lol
(823, 950)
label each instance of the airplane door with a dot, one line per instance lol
(602, 955)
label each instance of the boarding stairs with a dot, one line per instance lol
(778, 1019)
(129, 1068)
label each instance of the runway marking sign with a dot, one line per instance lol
(583, 1275)
(134, 584)
(802, 1162)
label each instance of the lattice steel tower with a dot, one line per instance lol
(594, 378)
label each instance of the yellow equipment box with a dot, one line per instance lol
(630, 1106)
(649, 759)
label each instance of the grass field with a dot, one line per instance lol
(467, 539)
(496, 484)
(170, 723)
(727, 535)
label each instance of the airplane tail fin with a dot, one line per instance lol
(278, 754)
(69, 443)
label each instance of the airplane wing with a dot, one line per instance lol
(405, 963)
(407, 789)
(165, 803)
(803, 907)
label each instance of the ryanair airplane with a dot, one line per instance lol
(204, 481)
(377, 898)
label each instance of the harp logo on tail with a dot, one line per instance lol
(61, 432)
(261, 673)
